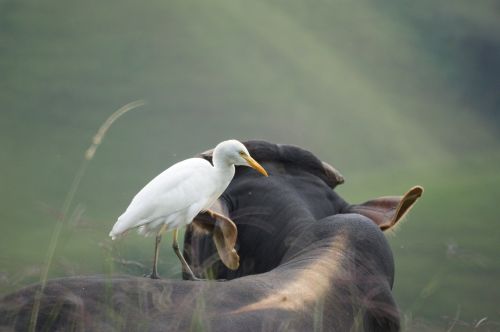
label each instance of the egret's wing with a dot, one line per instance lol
(179, 187)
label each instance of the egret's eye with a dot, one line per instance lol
(242, 153)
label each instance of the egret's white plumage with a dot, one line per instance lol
(174, 197)
(177, 195)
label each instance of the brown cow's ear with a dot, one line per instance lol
(224, 235)
(203, 223)
(387, 211)
(223, 230)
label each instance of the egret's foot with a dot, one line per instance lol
(191, 277)
(152, 276)
(196, 279)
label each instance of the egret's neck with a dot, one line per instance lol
(223, 167)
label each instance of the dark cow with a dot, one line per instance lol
(308, 261)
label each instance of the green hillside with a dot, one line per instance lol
(393, 95)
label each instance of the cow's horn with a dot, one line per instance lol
(332, 173)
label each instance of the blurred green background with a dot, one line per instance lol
(393, 94)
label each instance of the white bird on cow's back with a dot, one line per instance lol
(173, 198)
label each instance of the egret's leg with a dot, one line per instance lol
(154, 274)
(185, 265)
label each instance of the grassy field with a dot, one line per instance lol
(392, 95)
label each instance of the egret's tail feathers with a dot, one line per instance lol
(120, 227)
(114, 235)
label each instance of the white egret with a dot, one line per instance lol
(173, 198)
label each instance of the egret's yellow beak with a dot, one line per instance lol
(255, 165)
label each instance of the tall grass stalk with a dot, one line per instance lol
(63, 219)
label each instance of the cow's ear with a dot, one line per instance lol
(387, 211)
(224, 233)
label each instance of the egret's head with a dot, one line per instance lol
(234, 152)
